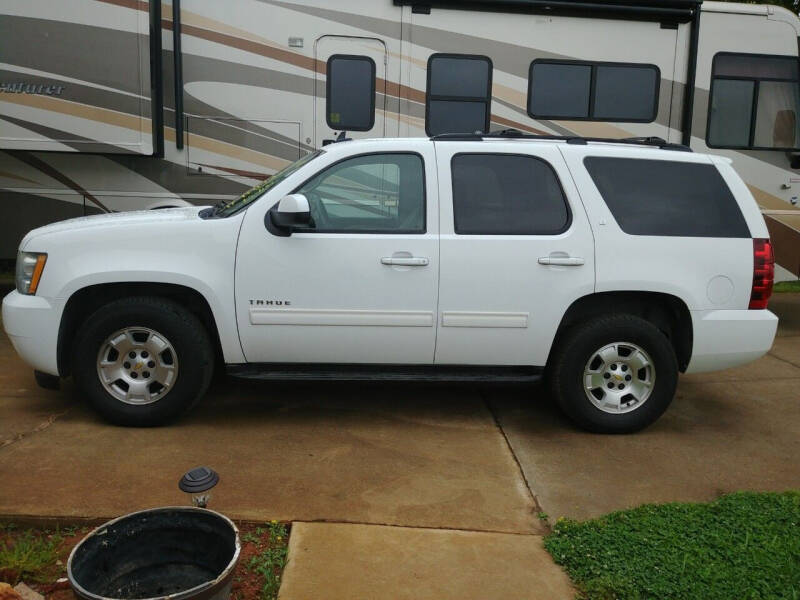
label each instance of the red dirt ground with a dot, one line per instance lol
(247, 585)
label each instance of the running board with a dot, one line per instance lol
(349, 372)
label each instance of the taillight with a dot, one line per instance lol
(763, 273)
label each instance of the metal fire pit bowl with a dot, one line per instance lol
(177, 552)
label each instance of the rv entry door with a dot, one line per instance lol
(350, 87)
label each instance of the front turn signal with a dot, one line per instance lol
(30, 266)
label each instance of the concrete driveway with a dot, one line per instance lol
(731, 430)
(434, 475)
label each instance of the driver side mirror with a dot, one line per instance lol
(288, 215)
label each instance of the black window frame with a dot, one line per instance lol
(547, 163)
(422, 231)
(592, 89)
(328, 81)
(754, 107)
(487, 99)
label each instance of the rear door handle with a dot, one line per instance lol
(564, 261)
(411, 261)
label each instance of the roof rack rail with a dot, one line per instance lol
(656, 142)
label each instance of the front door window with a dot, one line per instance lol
(374, 193)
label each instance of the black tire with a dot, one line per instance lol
(184, 331)
(576, 347)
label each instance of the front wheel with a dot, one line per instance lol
(614, 374)
(142, 361)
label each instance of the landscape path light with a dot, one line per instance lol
(198, 483)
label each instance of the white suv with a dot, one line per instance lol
(604, 267)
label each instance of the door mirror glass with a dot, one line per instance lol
(290, 214)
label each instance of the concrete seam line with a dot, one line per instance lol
(96, 521)
(743, 379)
(537, 507)
(786, 361)
(427, 527)
(40, 427)
(38, 521)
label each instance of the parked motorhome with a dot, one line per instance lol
(110, 105)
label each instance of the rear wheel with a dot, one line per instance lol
(142, 361)
(614, 374)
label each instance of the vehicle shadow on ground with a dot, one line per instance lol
(235, 400)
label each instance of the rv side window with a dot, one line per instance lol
(653, 197)
(593, 91)
(507, 194)
(459, 94)
(350, 92)
(755, 101)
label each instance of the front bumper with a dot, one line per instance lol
(32, 323)
(729, 338)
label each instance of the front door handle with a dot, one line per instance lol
(410, 261)
(563, 261)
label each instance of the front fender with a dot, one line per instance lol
(198, 254)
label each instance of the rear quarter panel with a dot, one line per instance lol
(691, 268)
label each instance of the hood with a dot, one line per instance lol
(120, 219)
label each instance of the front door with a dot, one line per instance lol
(361, 285)
(516, 251)
(350, 87)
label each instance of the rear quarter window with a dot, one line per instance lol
(667, 198)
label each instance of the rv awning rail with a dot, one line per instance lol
(656, 142)
(656, 10)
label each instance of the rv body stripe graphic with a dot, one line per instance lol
(94, 102)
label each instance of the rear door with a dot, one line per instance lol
(516, 251)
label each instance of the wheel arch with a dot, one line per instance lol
(667, 312)
(83, 302)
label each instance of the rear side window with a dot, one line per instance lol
(667, 198)
(507, 194)
(350, 92)
(459, 94)
(593, 91)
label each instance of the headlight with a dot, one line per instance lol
(29, 271)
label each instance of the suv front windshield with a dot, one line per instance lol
(229, 208)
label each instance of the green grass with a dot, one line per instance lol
(787, 286)
(28, 556)
(744, 546)
(271, 558)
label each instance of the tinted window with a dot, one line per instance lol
(667, 198)
(560, 90)
(372, 193)
(459, 93)
(463, 77)
(755, 66)
(625, 93)
(593, 91)
(450, 116)
(731, 112)
(350, 103)
(755, 101)
(495, 194)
